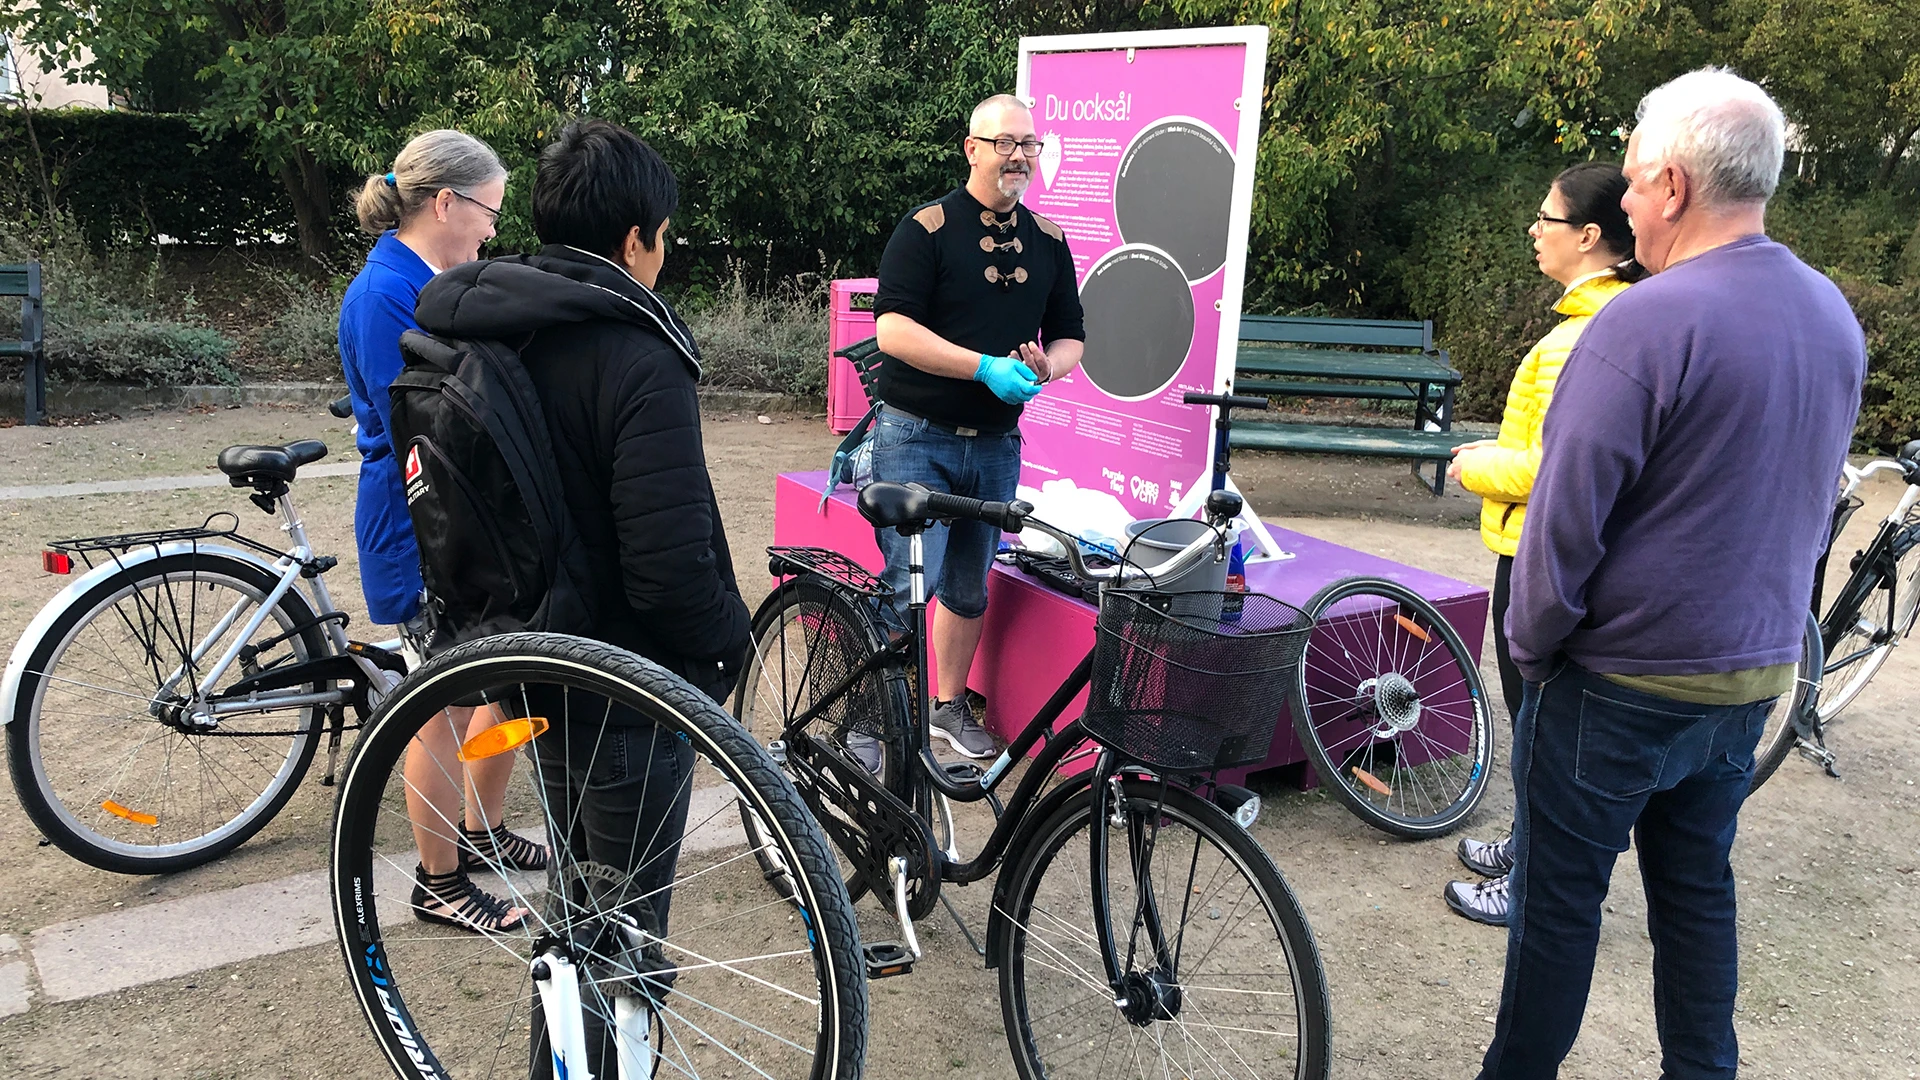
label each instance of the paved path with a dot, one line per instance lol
(155, 483)
(129, 947)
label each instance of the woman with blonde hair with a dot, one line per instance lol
(440, 202)
(1581, 239)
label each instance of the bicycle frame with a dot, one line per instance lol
(1873, 566)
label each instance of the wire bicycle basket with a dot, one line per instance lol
(1192, 681)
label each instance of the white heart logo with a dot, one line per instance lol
(1049, 158)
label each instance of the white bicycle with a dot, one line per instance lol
(163, 707)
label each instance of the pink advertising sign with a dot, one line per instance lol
(1148, 167)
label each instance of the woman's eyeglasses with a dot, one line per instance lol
(1540, 217)
(493, 212)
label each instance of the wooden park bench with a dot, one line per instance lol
(1296, 356)
(23, 280)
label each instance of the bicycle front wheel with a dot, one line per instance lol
(1389, 706)
(1780, 738)
(111, 749)
(1864, 644)
(1221, 974)
(633, 779)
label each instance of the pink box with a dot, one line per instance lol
(852, 321)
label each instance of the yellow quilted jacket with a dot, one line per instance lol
(1502, 475)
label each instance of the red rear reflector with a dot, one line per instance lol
(56, 562)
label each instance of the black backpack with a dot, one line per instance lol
(498, 548)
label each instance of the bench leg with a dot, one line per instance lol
(36, 389)
(1438, 485)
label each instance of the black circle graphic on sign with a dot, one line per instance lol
(1139, 313)
(1174, 190)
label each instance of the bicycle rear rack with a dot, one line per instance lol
(86, 547)
(835, 567)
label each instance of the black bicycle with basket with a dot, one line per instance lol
(1137, 928)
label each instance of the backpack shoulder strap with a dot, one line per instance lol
(839, 472)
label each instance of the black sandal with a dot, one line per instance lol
(500, 848)
(460, 903)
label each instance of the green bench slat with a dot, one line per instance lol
(15, 348)
(13, 280)
(1359, 441)
(1336, 364)
(1372, 333)
(1294, 388)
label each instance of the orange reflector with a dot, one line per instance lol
(503, 738)
(56, 562)
(134, 816)
(1413, 628)
(1371, 780)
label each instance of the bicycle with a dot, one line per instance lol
(651, 949)
(1174, 943)
(163, 707)
(1860, 628)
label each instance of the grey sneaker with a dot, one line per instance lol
(1487, 860)
(865, 750)
(1482, 901)
(954, 722)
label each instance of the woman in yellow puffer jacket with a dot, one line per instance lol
(1581, 239)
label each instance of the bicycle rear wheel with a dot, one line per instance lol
(1855, 658)
(1230, 987)
(1780, 738)
(634, 782)
(1389, 706)
(807, 638)
(110, 749)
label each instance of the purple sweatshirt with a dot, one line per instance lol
(1688, 472)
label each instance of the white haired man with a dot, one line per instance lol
(1662, 582)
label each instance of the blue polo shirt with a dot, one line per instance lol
(377, 309)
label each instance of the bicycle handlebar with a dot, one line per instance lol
(1008, 516)
(1225, 401)
(1211, 543)
(341, 407)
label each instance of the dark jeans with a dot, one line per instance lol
(1592, 763)
(957, 556)
(620, 792)
(1511, 683)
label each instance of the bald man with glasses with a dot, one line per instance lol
(978, 309)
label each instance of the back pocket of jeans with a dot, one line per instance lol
(1623, 745)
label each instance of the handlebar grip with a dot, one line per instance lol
(1008, 516)
(341, 407)
(1228, 401)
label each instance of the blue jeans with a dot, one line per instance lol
(1593, 762)
(957, 556)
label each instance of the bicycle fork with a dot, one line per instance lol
(1143, 996)
(556, 980)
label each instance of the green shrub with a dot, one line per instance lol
(773, 342)
(306, 324)
(104, 314)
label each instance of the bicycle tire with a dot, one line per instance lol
(1046, 896)
(807, 617)
(1846, 677)
(788, 986)
(125, 626)
(1779, 738)
(1390, 708)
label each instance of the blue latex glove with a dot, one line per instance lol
(1010, 379)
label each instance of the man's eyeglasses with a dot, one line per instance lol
(493, 212)
(1004, 145)
(1540, 217)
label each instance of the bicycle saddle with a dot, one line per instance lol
(889, 506)
(246, 464)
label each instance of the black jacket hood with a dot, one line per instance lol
(519, 295)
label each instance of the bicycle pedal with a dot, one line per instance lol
(888, 958)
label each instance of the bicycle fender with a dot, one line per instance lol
(1042, 812)
(30, 638)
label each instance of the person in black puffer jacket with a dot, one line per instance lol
(615, 368)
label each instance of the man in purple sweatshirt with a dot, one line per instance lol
(1661, 588)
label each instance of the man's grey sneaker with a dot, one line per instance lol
(1487, 860)
(865, 750)
(1482, 901)
(954, 722)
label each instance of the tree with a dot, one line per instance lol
(305, 83)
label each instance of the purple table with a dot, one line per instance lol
(1034, 636)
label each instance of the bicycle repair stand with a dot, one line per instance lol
(1219, 478)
